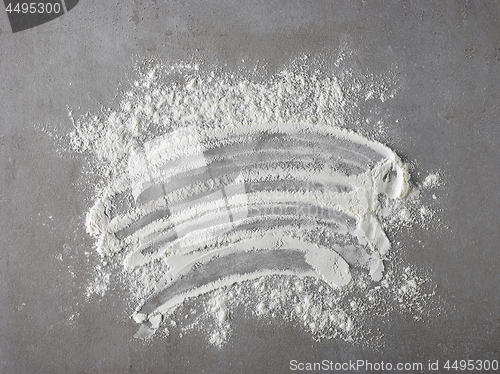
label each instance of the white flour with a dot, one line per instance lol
(231, 191)
(99, 284)
(432, 180)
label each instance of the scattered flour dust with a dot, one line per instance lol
(228, 191)
(99, 283)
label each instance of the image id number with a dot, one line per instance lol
(32, 8)
(471, 365)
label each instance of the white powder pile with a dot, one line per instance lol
(236, 192)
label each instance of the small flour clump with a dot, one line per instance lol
(432, 180)
(231, 191)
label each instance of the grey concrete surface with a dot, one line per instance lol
(445, 116)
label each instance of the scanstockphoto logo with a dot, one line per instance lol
(24, 15)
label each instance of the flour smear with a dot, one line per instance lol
(222, 190)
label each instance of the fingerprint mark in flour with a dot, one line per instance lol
(221, 206)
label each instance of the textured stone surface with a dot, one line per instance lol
(447, 59)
